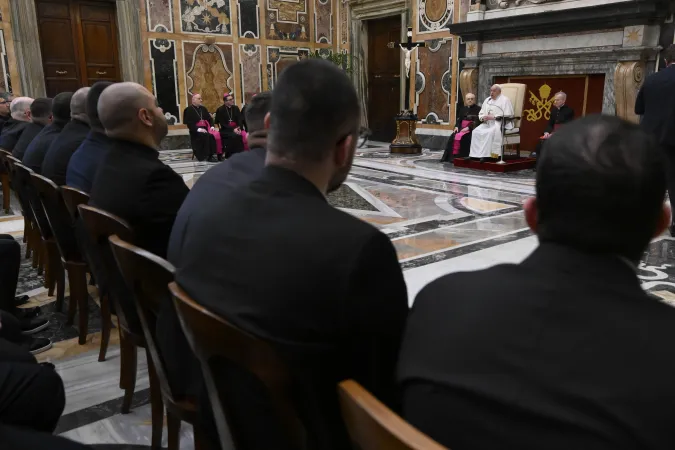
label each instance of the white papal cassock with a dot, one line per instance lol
(487, 137)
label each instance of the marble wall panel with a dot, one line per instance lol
(323, 21)
(343, 24)
(278, 58)
(287, 20)
(6, 80)
(434, 15)
(433, 81)
(165, 77)
(205, 16)
(208, 71)
(159, 15)
(249, 25)
(250, 66)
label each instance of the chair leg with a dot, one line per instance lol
(36, 247)
(106, 325)
(173, 430)
(127, 370)
(27, 236)
(156, 404)
(200, 442)
(59, 279)
(79, 298)
(5, 192)
(48, 269)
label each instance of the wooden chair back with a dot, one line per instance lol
(373, 426)
(26, 189)
(99, 226)
(148, 277)
(211, 338)
(73, 198)
(58, 217)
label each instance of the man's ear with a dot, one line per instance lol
(344, 151)
(267, 121)
(665, 219)
(531, 213)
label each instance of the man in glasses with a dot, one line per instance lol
(5, 100)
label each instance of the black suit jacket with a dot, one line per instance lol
(324, 287)
(656, 104)
(11, 132)
(134, 184)
(30, 132)
(562, 351)
(559, 116)
(55, 164)
(36, 151)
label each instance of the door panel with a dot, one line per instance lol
(384, 75)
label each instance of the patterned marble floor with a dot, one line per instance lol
(440, 220)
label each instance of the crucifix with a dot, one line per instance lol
(408, 47)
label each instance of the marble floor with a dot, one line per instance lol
(440, 220)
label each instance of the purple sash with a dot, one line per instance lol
(458, 137)
(216, 134)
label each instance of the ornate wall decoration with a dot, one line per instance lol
(250, 68)
(159, 15)
(541, 105)
(165, 77)
(5, 81)
(205, 16)
(433, 81)
(628, 78)
(468, 82)
(343, 24)
(434, 15)
(249, 25)
(503, 4)
(208, 72)
(286, 20)
(278, 58)
(323, 21)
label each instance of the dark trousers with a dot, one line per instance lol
(31, 395)
(14, 438)
(232, 143)
(10, 260)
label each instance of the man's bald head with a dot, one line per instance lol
(128, 111)
(20, 108)
(78, 105)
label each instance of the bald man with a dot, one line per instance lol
(132, 182)
(14, 127)
(55, 164)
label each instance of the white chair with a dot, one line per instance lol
(516, 93)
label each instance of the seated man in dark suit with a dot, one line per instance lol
(56, 160)
(12, 129)
(5, 101)
(40, 117)
(87, 158)
(132, 182)
(36, 151)
(274, 258)
(560, 115)
(564, 350)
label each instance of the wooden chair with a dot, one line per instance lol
(55, 276)
(99, 226)
(515, 92)
(71, 257)
(211, 337)
(4, 179)
(31, 235)
(148, 277)
(373, 426)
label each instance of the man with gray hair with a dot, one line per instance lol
(560, 115)
(486, 139)
(40, 117)
(13, 128)
(55, 164)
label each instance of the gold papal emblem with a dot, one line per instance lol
(541, 105)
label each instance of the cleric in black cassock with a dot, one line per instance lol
(198, 121)
(229, 118)
(459, 144)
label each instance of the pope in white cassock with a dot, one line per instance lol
(487, 137)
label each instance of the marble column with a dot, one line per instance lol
(27, 49)
(130, 42)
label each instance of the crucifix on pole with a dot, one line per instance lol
(407, 47)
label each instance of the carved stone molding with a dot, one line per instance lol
(628, 78)
(468, 82)
(27, 48)
(375, 9)
(503, 4)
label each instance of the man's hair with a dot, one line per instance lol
(41, 108)
(600, 187)
(314, 106)
(78, 104)
(669, 54)
(562, 94)
(6, 96)
(256, 111)
(92, 103)
(19, 106)
(61, 106)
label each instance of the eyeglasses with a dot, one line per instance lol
(363, 135)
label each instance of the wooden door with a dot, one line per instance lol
(78, 40)
(384, 77)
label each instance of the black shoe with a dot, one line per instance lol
(20, 300)
(27, 313)
(33, 326)
(220, 157)
(482, 160)
(212, 158)
(39, 345)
